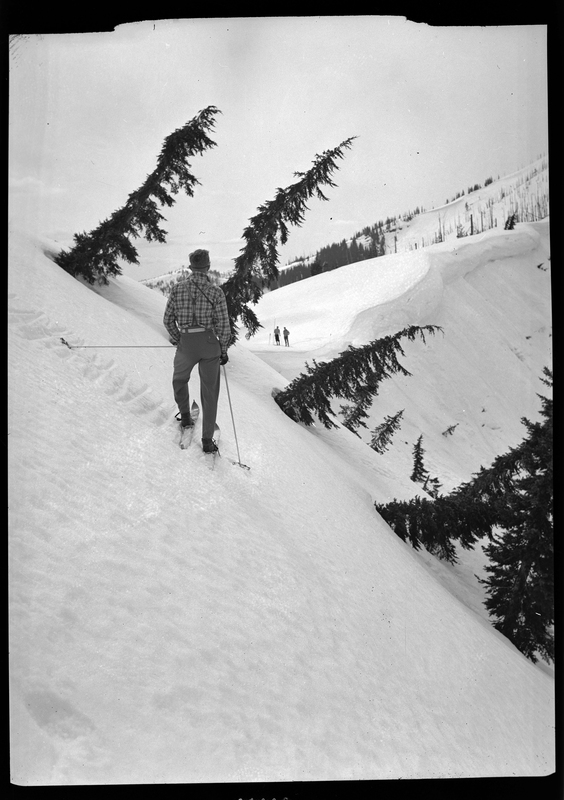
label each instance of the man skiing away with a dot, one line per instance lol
(197, 321)
(286, 333)
(277, 335)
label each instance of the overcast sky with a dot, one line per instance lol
(435, 110)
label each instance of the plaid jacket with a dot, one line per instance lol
(197, 300)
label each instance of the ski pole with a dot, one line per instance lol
(244, 466)
(112, 346)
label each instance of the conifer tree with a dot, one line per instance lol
(96, 255)
(450, 430)
(419, 472)
(431, 485)
(514, 496)
(382, 434)
(520, 585)
(346, 376)
(354, 416)
(257, 264)
(421, 525)
(510, 222)
(290, 275)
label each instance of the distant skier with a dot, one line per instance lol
(286, 333)
(277, 335)
(197, 321)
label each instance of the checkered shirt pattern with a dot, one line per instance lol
(197, 300)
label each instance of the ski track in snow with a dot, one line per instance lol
(36, 326)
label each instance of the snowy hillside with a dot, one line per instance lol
(164, 283)
(170, 623)
(523, 194)
(491, 294)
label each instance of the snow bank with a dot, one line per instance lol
(491, 294)
(358, 302)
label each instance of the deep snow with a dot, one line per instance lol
(169, 623)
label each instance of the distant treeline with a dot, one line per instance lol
(370, 242)
(164, 283)
(470, 190)
(490, 180)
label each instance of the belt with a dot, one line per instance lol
(192, 330)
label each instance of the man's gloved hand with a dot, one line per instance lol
(224, 358)
(171, 340)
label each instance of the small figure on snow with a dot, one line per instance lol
(277, 335)
(286, 333)
(197, 321)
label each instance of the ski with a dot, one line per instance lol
(211, 457)
(217, 434)
(187, 434)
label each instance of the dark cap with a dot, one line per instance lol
(199, 259)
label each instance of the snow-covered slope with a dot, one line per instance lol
(523, 193)
(490, 293)
(170, 623)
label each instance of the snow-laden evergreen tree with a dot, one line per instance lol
(510, 503)
(96, 255)
(382, 434)
(257, 264)
(347, 376)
